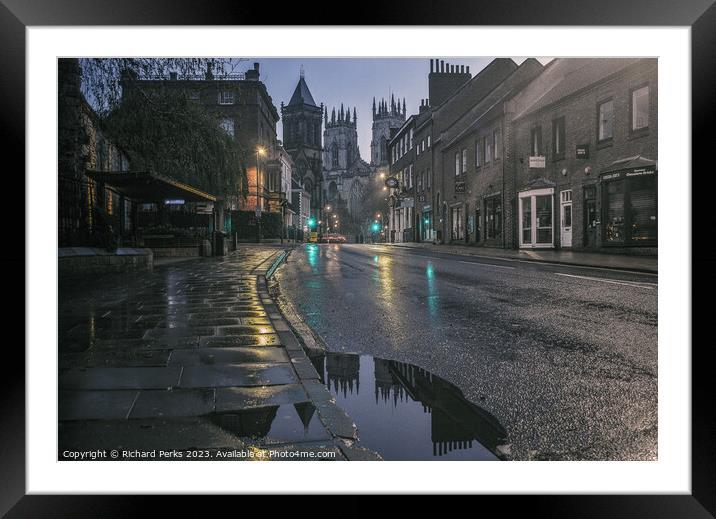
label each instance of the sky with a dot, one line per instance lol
(354, 82)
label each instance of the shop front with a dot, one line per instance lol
(629, 203)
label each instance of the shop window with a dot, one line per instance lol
(606, 120)
(543, 207)
(458, 225)
(631, 211)
(640, 109)
(526, 210)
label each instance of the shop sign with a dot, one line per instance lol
(582, 151)
(459, 187)
(174, 201)
(537, 162)
(636, 172)
(204, 208)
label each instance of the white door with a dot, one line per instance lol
(536, 218)
(566, 218)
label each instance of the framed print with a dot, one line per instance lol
(419, 243)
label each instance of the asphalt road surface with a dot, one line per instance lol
(564, 357)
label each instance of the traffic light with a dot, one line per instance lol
(311, 223)
(376, 227)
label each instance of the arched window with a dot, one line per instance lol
(334, 155)
(332, 191)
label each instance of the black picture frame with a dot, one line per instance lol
(700, 15)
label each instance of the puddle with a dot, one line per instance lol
(275, 424)
(407, 413)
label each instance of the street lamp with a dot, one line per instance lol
(260, 151)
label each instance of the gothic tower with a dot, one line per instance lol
(340, 139)
(302, 140)
(386, 117)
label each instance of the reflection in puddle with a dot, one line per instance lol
(285, 423)
(407, 413)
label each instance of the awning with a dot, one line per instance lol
(146, 187)
(629, 163)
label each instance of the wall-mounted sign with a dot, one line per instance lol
(582, 151)
(537, 162)
(204, 208)
(636, 172)
(459, 187)
(391, 182)
(174, 201)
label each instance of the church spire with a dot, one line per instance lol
(404, 112)
(373, 107)
(355, 117)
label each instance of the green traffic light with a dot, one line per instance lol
(311, 222)
(376, 227)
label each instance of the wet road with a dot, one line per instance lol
(564, 357)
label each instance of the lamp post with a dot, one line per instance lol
(260, 150)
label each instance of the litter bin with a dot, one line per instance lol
(220, 243)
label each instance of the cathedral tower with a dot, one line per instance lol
(302, 120)
(386, 117)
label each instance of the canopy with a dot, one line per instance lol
(147, 187)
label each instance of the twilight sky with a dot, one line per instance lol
(354, 82)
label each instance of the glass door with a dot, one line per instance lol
(536, 218)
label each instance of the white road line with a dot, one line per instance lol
(486, 264)
(635, 284)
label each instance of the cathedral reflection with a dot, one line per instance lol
(455, 423)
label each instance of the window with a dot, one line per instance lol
(228, 126)
(464, 161)
(417, 149)
(411, 139)
(606, 120)
(478, 152)
(334, 155)
(428, 178)
(536, 141)
(457, 164)
(498, 143)
(630, 210)
(423, 142)
(640, 108)
(558, 135)
(488, 149)
(226, 97)
(428, 141)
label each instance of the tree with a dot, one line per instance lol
(162, 130)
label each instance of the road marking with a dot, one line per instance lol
(635, 284)
(487, 264)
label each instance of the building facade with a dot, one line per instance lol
(401, 200)
(476, 152)
(585, 157)
(345, 174)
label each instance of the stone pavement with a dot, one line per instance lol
(648, 264)
(192, 358)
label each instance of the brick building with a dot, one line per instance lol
(243, 108)
(401, 200)
(584, 134)
(475, 147)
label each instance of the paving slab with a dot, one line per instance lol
(95, 405)
(237, 398)
(274, 424)
(228, 355)
(120, 378)
(173, 403)
(239, 340)
(225, 375)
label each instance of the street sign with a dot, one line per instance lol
(392, 182)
